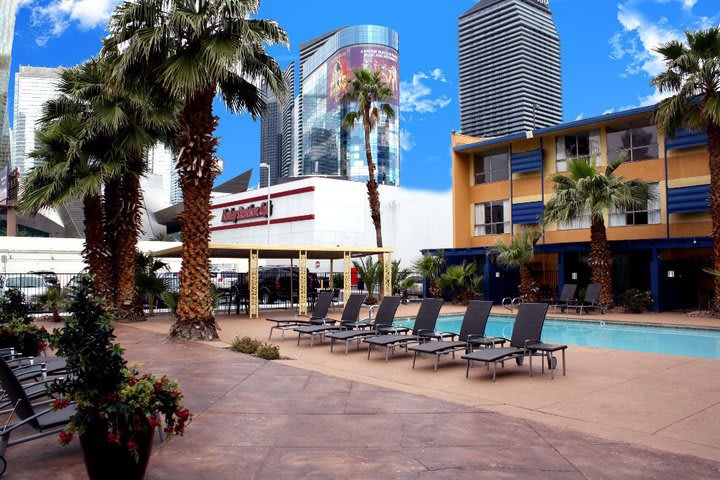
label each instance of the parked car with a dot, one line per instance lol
(50, 277)
(172, 281)
(29, 284)
(274, 284)
(223, 280)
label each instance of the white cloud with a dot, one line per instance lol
(416, 96)
(53, 17)
(407, 140)
(580, 116)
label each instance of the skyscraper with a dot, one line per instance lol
(327, 62)
(33, 87)
(276, 129)
(509, 68)
(7, 32)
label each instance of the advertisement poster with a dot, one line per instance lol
(374, 58)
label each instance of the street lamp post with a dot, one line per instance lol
(265, 165)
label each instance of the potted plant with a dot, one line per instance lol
(27, 338)
(117, 407)
(637, 301)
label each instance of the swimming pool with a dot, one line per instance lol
(618, 336)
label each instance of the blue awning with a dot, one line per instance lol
(686, 139)
(688, 199)
(526, 161)
(526, 213)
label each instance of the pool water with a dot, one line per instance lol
(639, 338)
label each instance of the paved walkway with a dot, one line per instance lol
(265, 420)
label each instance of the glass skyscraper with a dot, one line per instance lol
(7, 32)
(326, 66)
(509, 68)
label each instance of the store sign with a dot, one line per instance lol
(375, 58)
(235, 215)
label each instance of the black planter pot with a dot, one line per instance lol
(110, 461)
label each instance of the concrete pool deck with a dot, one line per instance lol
(660, 401)
(270, 420)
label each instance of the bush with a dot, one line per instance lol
(637, 301)
(245, 345)
(13, 306)
(268, 351)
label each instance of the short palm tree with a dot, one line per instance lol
(429, 266)
(588, 192)
(370, 272)
(459, 279)
(370, 94)
(193, 50)
(53, 299)
(518, 253)
(693, 77)
(149, 284)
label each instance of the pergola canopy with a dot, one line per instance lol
(230, 250)
(255, 252)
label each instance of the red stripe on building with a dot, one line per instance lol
(299, 218)
(286, 193)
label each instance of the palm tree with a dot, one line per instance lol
(429, 266)
(370, 273)
(693, 77)
(148, 283)
(370, 93)
(193, 50)
(458, 279)
(113, 128)
(518, 253)
(587, 192)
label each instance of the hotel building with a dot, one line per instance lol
(502, 184)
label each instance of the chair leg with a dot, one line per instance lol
(332, 344)
(414, 358)
(494, 370)
(530, 364)
(467, 371)
(550, 367)
(437, 359)
(270, 336)
(563, 355)
(369, 348)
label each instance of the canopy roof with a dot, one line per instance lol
(229, 250)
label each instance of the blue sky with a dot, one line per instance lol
(606, 53)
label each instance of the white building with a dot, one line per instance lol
(33, 87)
(327, 212)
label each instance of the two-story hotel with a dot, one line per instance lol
(501, 184)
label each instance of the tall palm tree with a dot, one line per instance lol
(518, 253)
(586, 191)
(115, 126)
(193, 50)
(693, 77)
(371, 95)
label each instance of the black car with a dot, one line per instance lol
(50, 277)
(274, 284)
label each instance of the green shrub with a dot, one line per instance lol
(268, 351)
(245, 345)
(637, 301)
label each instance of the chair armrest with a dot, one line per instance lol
(528, 343)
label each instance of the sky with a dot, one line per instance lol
(606, 48)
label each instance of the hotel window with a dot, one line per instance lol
(581, 145)
(490, 166)
(633, 142)
(578, 223)
(492, 218)
(650, 215)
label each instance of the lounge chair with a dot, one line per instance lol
(383, 322)
(567, 296)
(349, 319)
(590, 301)
(472, 334)
(318, 316)
(44, 422)
(526, 331)
(423, 330)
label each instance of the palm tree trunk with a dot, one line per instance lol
(374, 197)
(197, 171)
(601, 261)
(127, 224)
(528, 287)
(714, 159)
(95, 251)
(111, 205)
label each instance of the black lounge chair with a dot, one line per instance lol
(383, 321)
(472, 333)
(567, 296)
(318, 316)
(526, 331)
(423, 330)
(45, 422)
(591, 300)
(349, 318)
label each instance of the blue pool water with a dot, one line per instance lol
(639, 338)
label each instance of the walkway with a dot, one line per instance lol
(266, 420)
